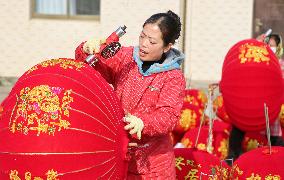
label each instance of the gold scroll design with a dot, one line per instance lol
(50, 175)
(42, 109)
(63, 63)
(251, 53)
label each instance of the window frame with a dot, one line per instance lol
(34, 15)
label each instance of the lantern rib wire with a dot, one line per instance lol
(76, 110)
(88, 168)
(82, 130)
(110, 169)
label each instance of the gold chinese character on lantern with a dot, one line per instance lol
(253, 53)
(179, 162)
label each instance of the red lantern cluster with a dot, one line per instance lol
(251, 77)
(62, 121)
(193, 107)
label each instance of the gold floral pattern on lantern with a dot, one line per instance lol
(50, 175)
(251, 144)
(64, 63)
(220, 173)
(188, 119)
(191, 99)
(281, 115)
(252, 53)
(186, 142)
(223, 148)
(42, 109)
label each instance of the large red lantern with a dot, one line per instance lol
(62, 120)
(251, 77)
(260, 164)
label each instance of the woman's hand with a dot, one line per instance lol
(261, 38)
(92, 46)
(135, 125)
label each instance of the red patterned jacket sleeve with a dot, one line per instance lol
(167, 113)
(108, 68)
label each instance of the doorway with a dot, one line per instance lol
(268, 14)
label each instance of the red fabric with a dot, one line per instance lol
(259, 164)
(159, 109)
(62, 116)
(251, 76)
(197, 164)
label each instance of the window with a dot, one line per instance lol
(66, 9)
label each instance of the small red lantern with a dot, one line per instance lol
(62, 121)
(197, 164)
(220, 138)
(253, 140)
(251, 77)
(189, 119)
(219, 108)
(195, 97)
(260, 164)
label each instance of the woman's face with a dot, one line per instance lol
(272, 42)
(151, 44)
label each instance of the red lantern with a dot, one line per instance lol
(220, 138)
(260, 164)
(221, 132)
(197, 164)
(195, 97)
(190, 118)
(62, 121)
(253, 140)
(219, 108)
(251, 76)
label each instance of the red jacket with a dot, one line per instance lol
(156, 98)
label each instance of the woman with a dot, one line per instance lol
(149, 83)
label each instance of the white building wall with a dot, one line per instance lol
(212, 27)
(25, 41)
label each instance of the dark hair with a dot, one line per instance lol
(169, 24)
(276, 38)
